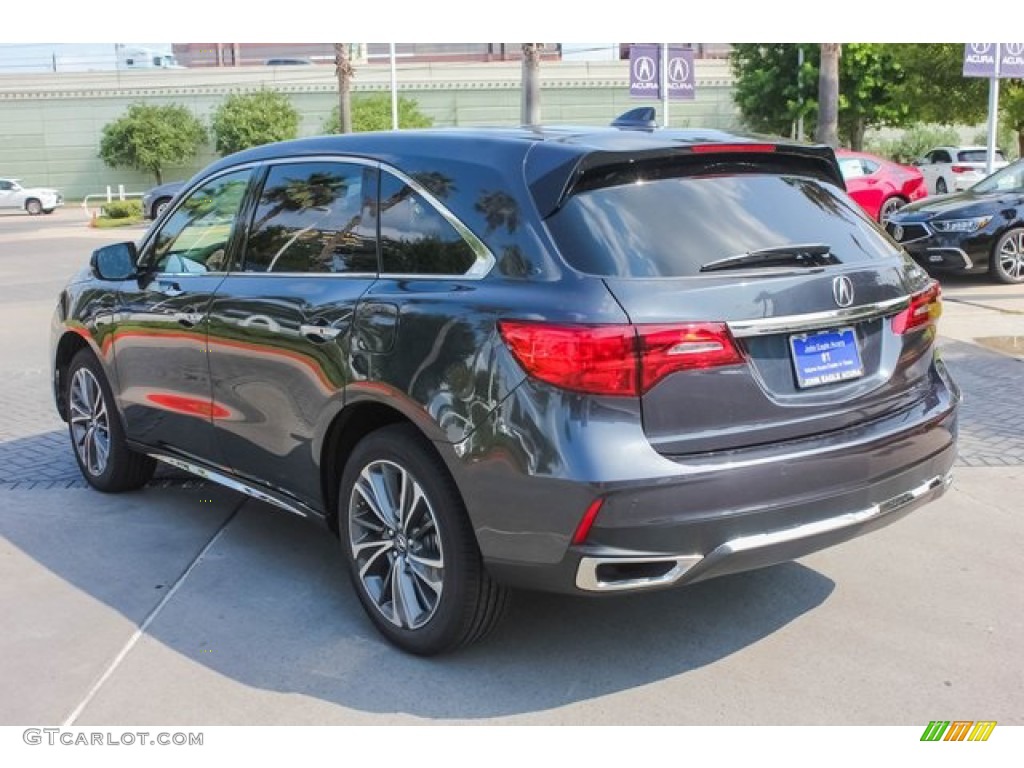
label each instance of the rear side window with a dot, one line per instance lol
(312, 217)
(670, 227)
(977, 155)
(415, 238)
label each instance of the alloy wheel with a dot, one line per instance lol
(395, 544)
(90, 422)
(1011, 255)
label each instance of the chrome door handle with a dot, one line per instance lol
(189, 319)
(319, 333)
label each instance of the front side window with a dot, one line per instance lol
(415, 238)
(314, 217)
(195, 238)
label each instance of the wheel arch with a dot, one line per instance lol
(69, 345)
(350, 426)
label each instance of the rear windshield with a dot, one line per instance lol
(977, 155)
(669, 227)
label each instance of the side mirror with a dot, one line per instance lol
(115, 262)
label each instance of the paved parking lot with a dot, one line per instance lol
(248, 618)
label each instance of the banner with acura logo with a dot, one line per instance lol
(980, 59)
(645, 63)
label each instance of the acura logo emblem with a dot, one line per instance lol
(678, 71)
(897, 232)
(842, 291)
(644, 69)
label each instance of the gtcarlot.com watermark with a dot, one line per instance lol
(75, 738)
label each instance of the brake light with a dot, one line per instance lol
(702, 149)
(961, 169)
(924, 310)
(620, 360)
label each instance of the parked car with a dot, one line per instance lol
(879, 186)
(585, 360)
(976, 231)
(32, 200)
(156, 200)
(950, 169)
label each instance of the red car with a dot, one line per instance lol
(880, 187)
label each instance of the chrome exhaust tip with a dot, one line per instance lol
(613, 574)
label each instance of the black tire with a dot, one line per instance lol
(33, 207)
(88, 423)
(48, 211)
(158, 207)
(419, 619)
(1006, 264)
(940, 187)
(889, 207)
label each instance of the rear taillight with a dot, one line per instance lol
(623, 360)
(925, 308)
(961, 169)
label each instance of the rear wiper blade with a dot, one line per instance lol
(805, 255)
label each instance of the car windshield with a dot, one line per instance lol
(1009, 179)
(977, 156)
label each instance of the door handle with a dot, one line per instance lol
(169, 289)
(189, 319)
(319, 333)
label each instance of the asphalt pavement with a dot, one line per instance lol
(187, 604)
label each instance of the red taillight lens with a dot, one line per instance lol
(667, 349)
(961, 169)
(587, 521)
(623, 360)
(925, 308)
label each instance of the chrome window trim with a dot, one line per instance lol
(485, 260)
(764, 326)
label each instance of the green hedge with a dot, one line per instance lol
(123, 209)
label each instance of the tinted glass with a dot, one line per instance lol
(1009, 179)
(195, 237)
(415, 239)
(852, 167)
(310, 218)
(940, 156)
(977, 156)
(870, 166)
(670, 227)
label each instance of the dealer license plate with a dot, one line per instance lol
(826, 357)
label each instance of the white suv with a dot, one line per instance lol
(35, 200)
(950, 169)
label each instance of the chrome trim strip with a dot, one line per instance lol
(229, 482)
(763, 326)
(928, 231)
(587, 578)
(968, 264)
(829, 525)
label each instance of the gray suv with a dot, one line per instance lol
(587, 360)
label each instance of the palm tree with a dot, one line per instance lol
(828, 95)
(531, 83)
(343, 69)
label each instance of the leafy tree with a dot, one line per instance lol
(933, 87)
(372, 112)
(773, 90)
(150, 138)
(245, 120)
(1011, 103)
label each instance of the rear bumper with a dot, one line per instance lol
(697, 517)
(616, 571)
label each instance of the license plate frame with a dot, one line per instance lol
(826, 357)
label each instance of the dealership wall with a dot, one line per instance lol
(50, 124)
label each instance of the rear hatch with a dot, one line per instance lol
(763, 251)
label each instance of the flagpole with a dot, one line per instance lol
(664, 85)
(993, 112)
